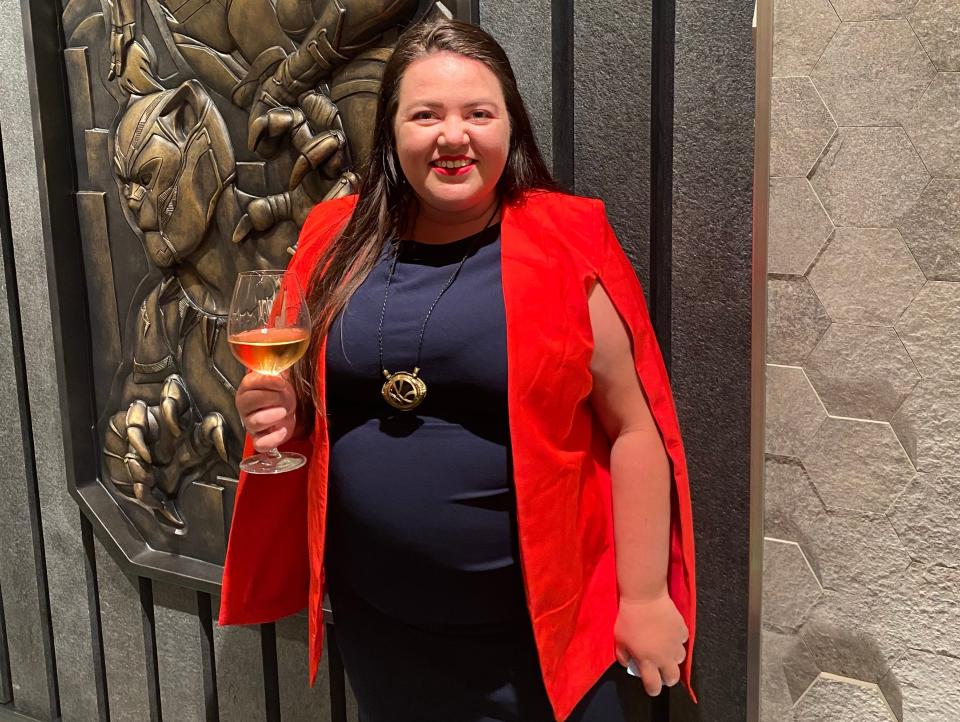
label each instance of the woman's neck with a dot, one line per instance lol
(433, 226)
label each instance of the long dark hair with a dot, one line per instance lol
(385, 198)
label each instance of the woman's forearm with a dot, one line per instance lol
(640, 474)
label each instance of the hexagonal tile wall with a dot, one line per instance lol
(794, 412)
(802, 29)
(790, 656)
(931, 685)
(837, 698)
(798, 226)
(795, 320)
(775, 702)
(937, 24)
(926, 424)
(856, 10)
(866, 275)
(872, 495)
(931, 229)
(934, 126)
(790, 587)
(858, 553)
(872, 73)
(800, 126)
(930, 331)
(857, 634)
(868, 177)
(792, 507)
(857, 465)
(935, 609)
(926, 517)
(861, 371)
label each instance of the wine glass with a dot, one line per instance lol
(268, 331)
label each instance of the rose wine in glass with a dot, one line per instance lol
(268, 331)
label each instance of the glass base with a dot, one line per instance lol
(270, 464)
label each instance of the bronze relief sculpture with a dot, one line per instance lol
(214, 127)
(177, 174)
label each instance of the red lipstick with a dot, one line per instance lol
(453, 171)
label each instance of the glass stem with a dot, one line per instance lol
(274, 453)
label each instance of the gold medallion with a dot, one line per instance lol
(403, 390)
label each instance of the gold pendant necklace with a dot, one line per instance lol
(405, 390)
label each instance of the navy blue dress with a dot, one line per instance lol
(422, 555)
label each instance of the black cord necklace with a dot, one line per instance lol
(405, 390)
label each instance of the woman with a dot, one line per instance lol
(496, 546)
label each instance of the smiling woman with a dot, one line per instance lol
(453, 138)
(496, 498)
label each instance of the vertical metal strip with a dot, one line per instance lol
(561, 39)
(271, 677)
(208, 660)
(6, 683)
(338, 682)
(661, 170)
(150, 648)
(475, 12)
(663, 37)
(93, 604)
(29, 458)
(763, 44)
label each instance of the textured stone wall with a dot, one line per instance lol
(862, 551)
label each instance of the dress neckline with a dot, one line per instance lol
(412, 250)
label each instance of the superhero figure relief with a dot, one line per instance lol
(307, 74)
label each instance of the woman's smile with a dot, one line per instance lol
(453, 166)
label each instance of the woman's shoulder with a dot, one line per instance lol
(328, 216)
(566, 220)
(560, 201)
(323, 223)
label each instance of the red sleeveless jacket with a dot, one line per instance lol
(553, 246)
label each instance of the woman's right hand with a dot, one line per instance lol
(268, 409)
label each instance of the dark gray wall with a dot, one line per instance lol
(44, 585)
(688, 233)
(710, 329)
(87, 642)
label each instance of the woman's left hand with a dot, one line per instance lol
(653, 633)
